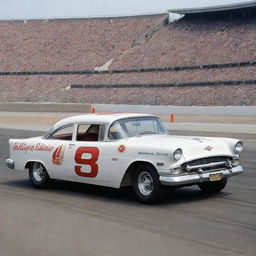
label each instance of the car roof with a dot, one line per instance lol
(97, 118)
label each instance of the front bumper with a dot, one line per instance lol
(10, 163)
(190, 179)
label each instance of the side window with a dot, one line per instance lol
(88, 132)
(64, 133)
(116, 132)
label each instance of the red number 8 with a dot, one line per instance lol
(92, 161)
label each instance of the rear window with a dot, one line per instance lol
(64, 133)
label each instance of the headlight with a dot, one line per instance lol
(177, 154)
(238, 147)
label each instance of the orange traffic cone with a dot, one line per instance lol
(172, 118)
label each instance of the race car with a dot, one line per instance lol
(117, 149)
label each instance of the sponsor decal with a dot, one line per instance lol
(121, 148)
(43, 147)
(208, 148)
(58, 155)
(153, 153)
(161, 154)
(23, 146)
(146, 153)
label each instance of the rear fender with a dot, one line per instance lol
(29, 162)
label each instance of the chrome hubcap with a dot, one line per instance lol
(145, 183)
(38, 172)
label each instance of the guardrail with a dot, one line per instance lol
(133, 70)
(207, 83)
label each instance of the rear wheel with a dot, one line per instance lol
(38, 175)
(214, 186)
(146, 184)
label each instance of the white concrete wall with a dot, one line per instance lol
(179, 110)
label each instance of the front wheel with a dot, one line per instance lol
(213, 186)
(38, 175)
(146, 185)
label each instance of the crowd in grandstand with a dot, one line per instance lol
(59, 45)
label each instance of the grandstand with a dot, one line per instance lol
(180, 63)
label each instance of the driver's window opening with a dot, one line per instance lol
(86, 132)
(63, 134)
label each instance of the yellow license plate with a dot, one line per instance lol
(216, 176)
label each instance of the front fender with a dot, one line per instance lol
(127, 177)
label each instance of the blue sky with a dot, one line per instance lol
(47, 9)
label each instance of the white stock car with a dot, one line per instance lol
(117, 150)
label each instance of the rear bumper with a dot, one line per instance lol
(191, 179)
(10, 163)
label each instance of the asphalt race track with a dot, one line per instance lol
(77, 219)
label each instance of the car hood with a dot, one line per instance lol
(192, 147)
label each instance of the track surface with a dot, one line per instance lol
(77, 219)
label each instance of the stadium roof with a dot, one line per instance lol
(214, 8)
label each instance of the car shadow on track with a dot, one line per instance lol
(124, 194)
(189, 194)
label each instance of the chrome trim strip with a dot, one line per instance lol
(189, 168)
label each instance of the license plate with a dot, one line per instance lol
(216, 176)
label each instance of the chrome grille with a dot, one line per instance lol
(207, 164)
(209, 160)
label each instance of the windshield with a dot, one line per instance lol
(135, 126)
